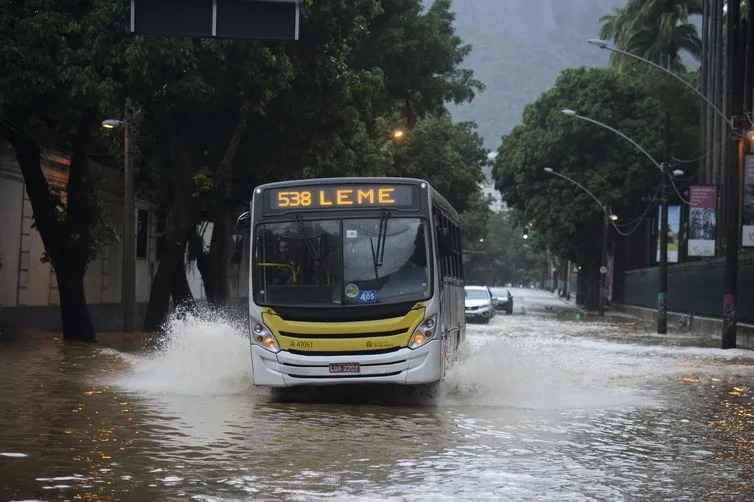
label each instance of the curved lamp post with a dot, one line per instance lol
(607, 219)
(603, 44)
(128, 282)
(662, 289)
(732, 194)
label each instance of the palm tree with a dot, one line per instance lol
(657, 30)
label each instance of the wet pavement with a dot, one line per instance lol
(543, 406)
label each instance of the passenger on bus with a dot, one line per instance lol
(288, 270)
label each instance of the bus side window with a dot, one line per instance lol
(447, 255)
(453, 250)
(458, 252)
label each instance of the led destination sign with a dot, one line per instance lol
(341, 197)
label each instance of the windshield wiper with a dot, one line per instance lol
(379, 255)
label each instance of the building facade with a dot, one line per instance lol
(28, 288)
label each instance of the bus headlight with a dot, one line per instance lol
(261, 336)
(423, 333)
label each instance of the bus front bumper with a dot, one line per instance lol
(404, 366)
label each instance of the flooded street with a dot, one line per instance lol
(540, 408)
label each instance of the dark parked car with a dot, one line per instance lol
(502, 299)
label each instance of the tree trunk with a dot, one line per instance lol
(159, 295)
(209, 265)
(215, 270)
(581, 287)
(177, 228)
(77, 324)
(180, 290)
(68, 255)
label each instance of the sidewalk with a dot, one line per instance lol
(707, 327)
(610, 309)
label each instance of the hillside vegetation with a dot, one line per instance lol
(520, 46)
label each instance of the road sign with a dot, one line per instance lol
(603, 269)
(245, 19)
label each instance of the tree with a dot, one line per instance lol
(420, 55)
(507, 258)
(198, 97)
(60, 67)
(566, 220)
(657, 30)
(449, 156)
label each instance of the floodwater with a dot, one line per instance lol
(540, 408)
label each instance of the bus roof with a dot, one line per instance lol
(344, 179)
(362, 179)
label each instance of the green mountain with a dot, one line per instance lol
(519, 47)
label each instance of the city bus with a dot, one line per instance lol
(353, 281)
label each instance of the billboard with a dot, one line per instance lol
(702, 220)
(674, 232)
(747, 213)
(229, 19)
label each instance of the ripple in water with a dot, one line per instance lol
(202, 354)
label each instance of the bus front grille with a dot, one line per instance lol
(346, 353)
(346, 335)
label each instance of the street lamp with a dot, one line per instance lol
(603, 44)
(398, 134)
(128, 284)
(662, 288)
(607, 219)
(732, 191)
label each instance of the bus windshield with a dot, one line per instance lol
(341, 262)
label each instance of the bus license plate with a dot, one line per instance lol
(345, 368)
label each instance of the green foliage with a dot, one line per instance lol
(60, 65)
(449, 156)
(496, 252)
(419, 54)
(322, 106)
(510, 258)
(474, 221)
(655, 30)
(564, 218)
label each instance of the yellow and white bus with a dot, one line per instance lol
(353, 280)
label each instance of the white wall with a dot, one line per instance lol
(26, 281)
(11, 200)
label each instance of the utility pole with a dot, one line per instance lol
(662, 284)
(731, 184)
(128, 286)
(603, 261)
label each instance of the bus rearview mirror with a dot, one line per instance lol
(243, 223)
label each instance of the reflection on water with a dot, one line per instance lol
(538, 409)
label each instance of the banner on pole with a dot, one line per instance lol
(747, 214)
(702, 220)
(674, 232)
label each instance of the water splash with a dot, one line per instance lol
(539, 365)
(201, 354)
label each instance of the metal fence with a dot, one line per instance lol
(692, 287)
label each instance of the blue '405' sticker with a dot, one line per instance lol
(368, 296)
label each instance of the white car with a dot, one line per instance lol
(478, 303)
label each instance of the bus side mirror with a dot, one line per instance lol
(243, 223)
